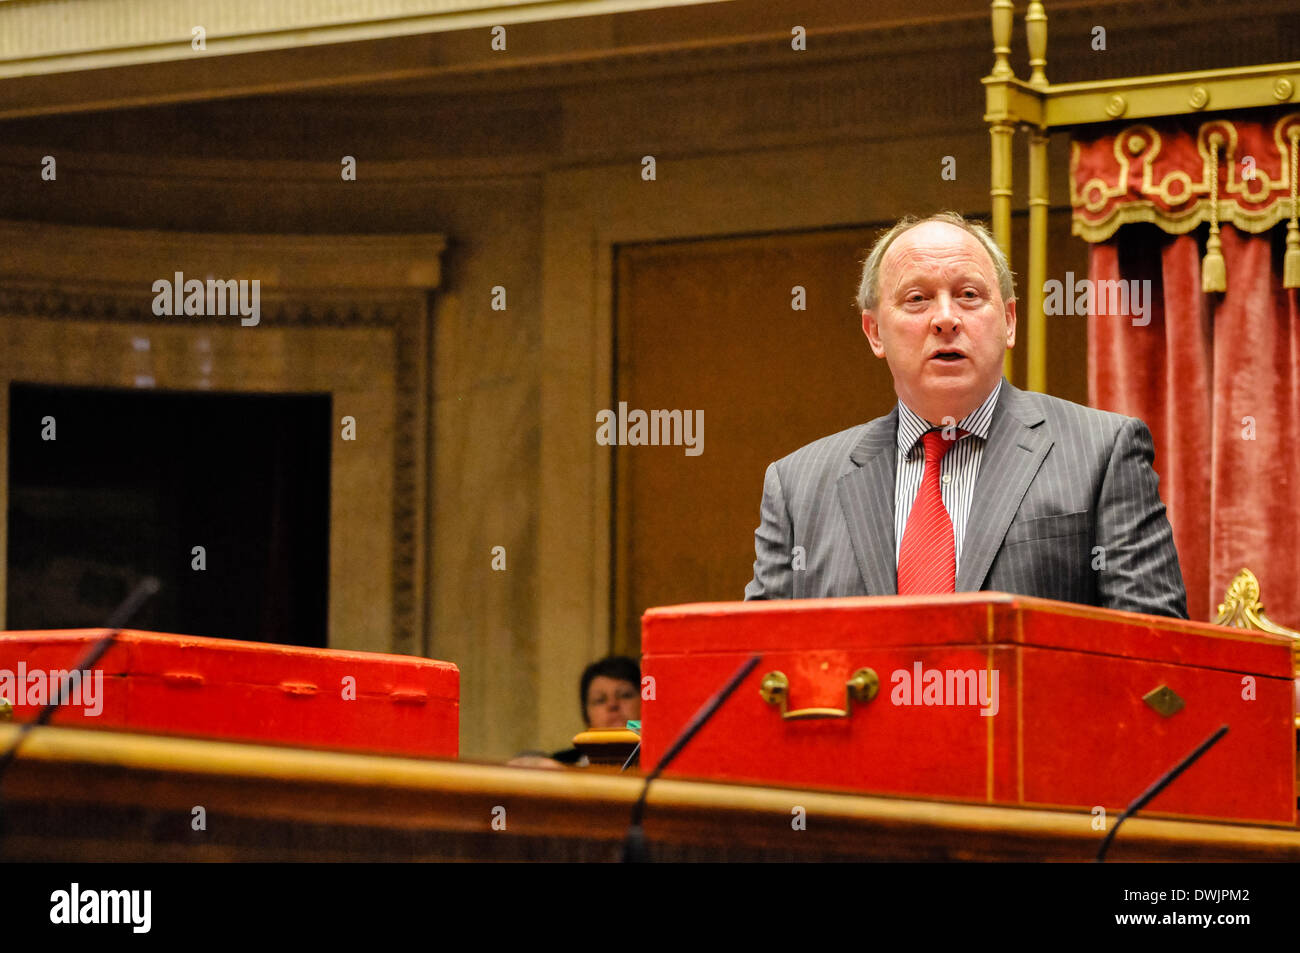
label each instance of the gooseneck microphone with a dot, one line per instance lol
(634, 847)
(1159, 785)
(144, 589)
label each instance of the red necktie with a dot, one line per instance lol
(927, 558)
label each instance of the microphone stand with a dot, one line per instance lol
(634, 846)
(1160, 784)
(144, 589)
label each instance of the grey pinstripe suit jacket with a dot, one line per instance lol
(1055, 481)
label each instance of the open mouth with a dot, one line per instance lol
(949, 357)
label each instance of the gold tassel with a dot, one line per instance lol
(1214, 273)
(1291, 260)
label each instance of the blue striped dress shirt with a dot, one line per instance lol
(957, 472)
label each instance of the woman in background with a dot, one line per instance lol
(609, 695)
(610, 692)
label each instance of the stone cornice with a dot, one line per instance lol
(117, 304)
(54, 36)
(47, 78)
(56, 253)
(287, 173)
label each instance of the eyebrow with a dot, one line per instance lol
(926, 278)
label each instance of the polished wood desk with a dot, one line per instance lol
(95, 795)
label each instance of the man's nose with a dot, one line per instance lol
(945, 318)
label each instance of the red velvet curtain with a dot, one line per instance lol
(1217, 378)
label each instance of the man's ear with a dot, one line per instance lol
(872, 330)
(1011, 323)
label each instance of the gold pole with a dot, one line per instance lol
(1036, 336)
(1035, 322)
(1001, 130)
(1000, 198)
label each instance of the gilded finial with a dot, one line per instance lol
(1002, 12)
(1036, 39)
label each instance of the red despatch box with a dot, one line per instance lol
(1071, 728)
(245, 691)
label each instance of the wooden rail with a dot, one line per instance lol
(77, 794)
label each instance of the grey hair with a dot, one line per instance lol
(869, 287)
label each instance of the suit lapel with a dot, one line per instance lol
(867, 498)
(1012, 456)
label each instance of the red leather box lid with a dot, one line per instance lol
(248, 691)
(228, 660)
(960, 619)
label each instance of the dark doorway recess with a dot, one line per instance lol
(134, 480)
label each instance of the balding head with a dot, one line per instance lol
(939, 317)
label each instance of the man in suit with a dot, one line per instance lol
(968, 483)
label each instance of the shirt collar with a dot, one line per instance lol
(911, 426)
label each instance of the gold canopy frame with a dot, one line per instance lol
(1040, 107)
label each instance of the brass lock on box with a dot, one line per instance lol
(861, 688)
